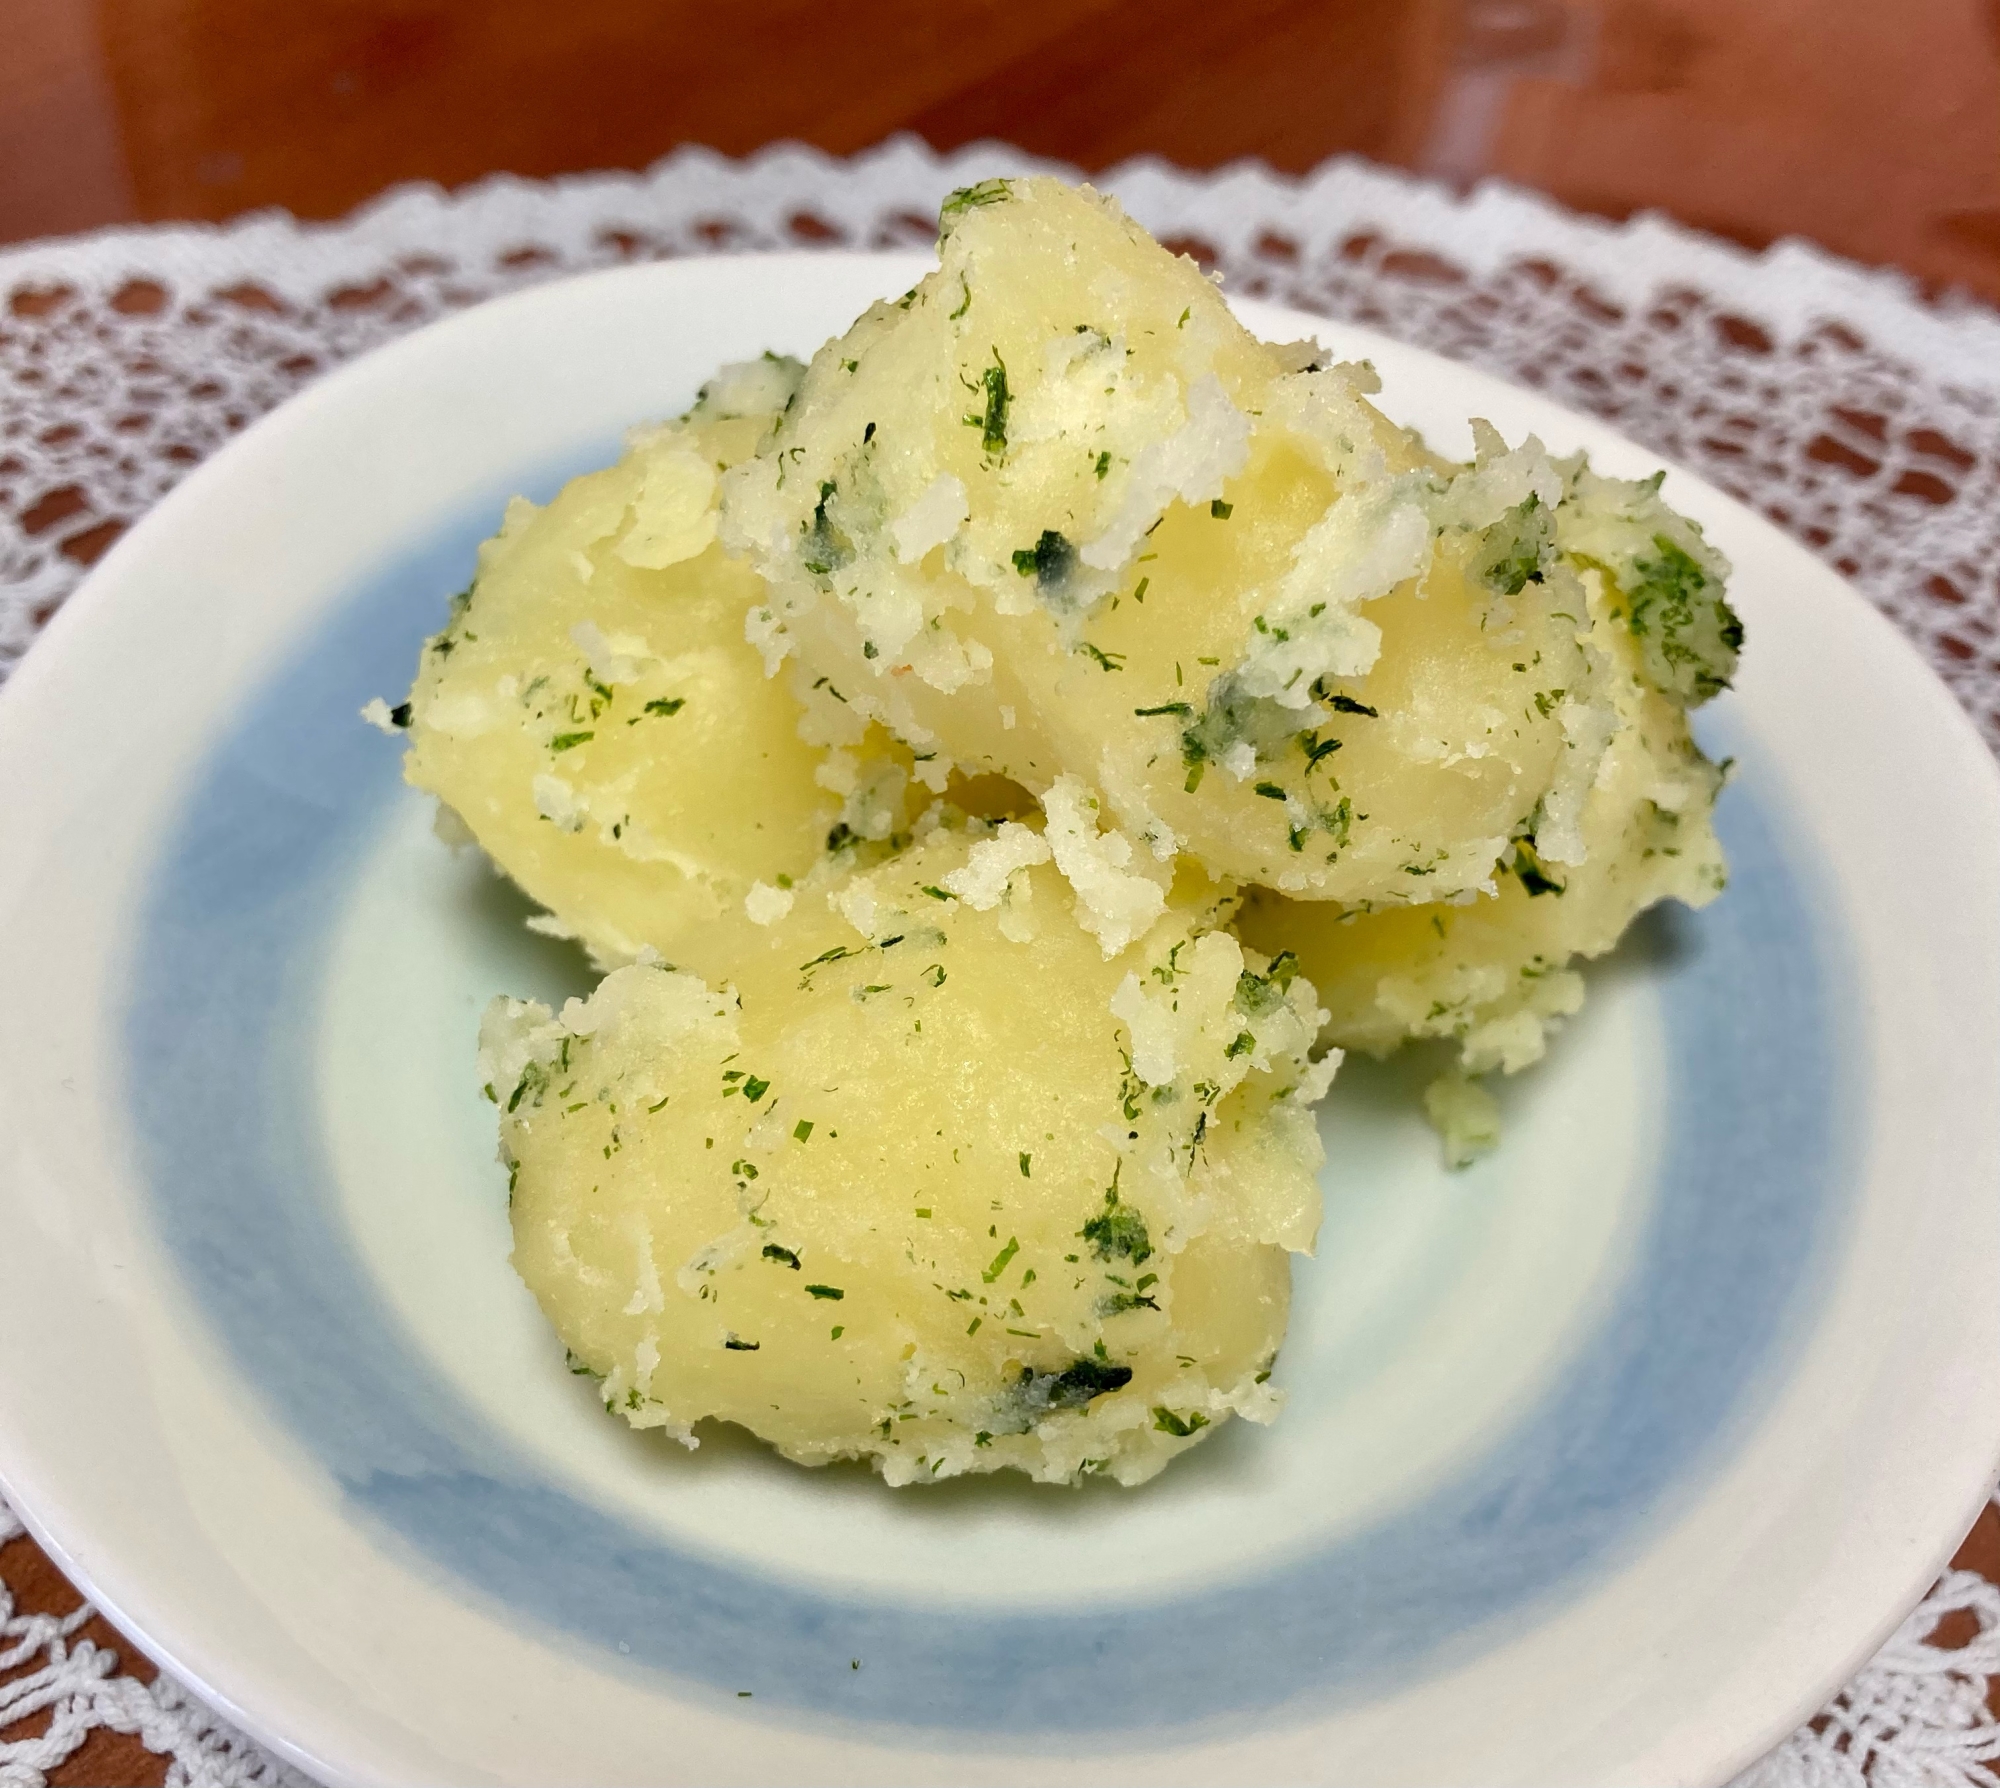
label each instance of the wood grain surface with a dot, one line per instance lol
(1872, 128)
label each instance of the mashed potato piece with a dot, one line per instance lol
(933, 1182)
(1055, 512)
(594, 716)
(1493, 974)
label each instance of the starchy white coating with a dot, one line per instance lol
(920, 1193)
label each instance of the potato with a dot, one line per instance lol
(930, 1180)
(594, 715)
(959, 1143)
(1492, 975)
(1056, 512)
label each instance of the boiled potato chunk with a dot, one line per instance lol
(1035, 729)
(1493, 974)
(930, 1181)
(594, 716)
(1055, 512)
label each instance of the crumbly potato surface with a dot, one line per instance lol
(1057, 513)
(595, 717)
(929, 1182)
(1494, 973)
(1033, 730)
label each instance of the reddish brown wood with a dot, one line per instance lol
(105, 1759)
(1873, 129)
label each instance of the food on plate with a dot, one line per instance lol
(593, 715)
(1004, 764)
(1494, 973)
(1056, 511)
(931, 1180)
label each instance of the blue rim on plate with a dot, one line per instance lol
(1750, 1193)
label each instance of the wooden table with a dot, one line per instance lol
(1874, 129)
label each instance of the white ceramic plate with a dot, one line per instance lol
(1603, 1462)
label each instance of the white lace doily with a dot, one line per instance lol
(1861, 418)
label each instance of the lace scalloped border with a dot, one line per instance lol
(1829, 396)
(1793, 287)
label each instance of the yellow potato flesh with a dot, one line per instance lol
(945, 1155)
(602, 727)
(899, 1193)
(1137, 568)
(1493, 975)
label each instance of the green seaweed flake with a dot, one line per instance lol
(1259, 995)
(991, 421)
(1034, 1394)
(1534, 872)
(1118, 1232)
(1514, 552)
(1689, 636)
(973, 198)
(1050, 561)
(1229, 718)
